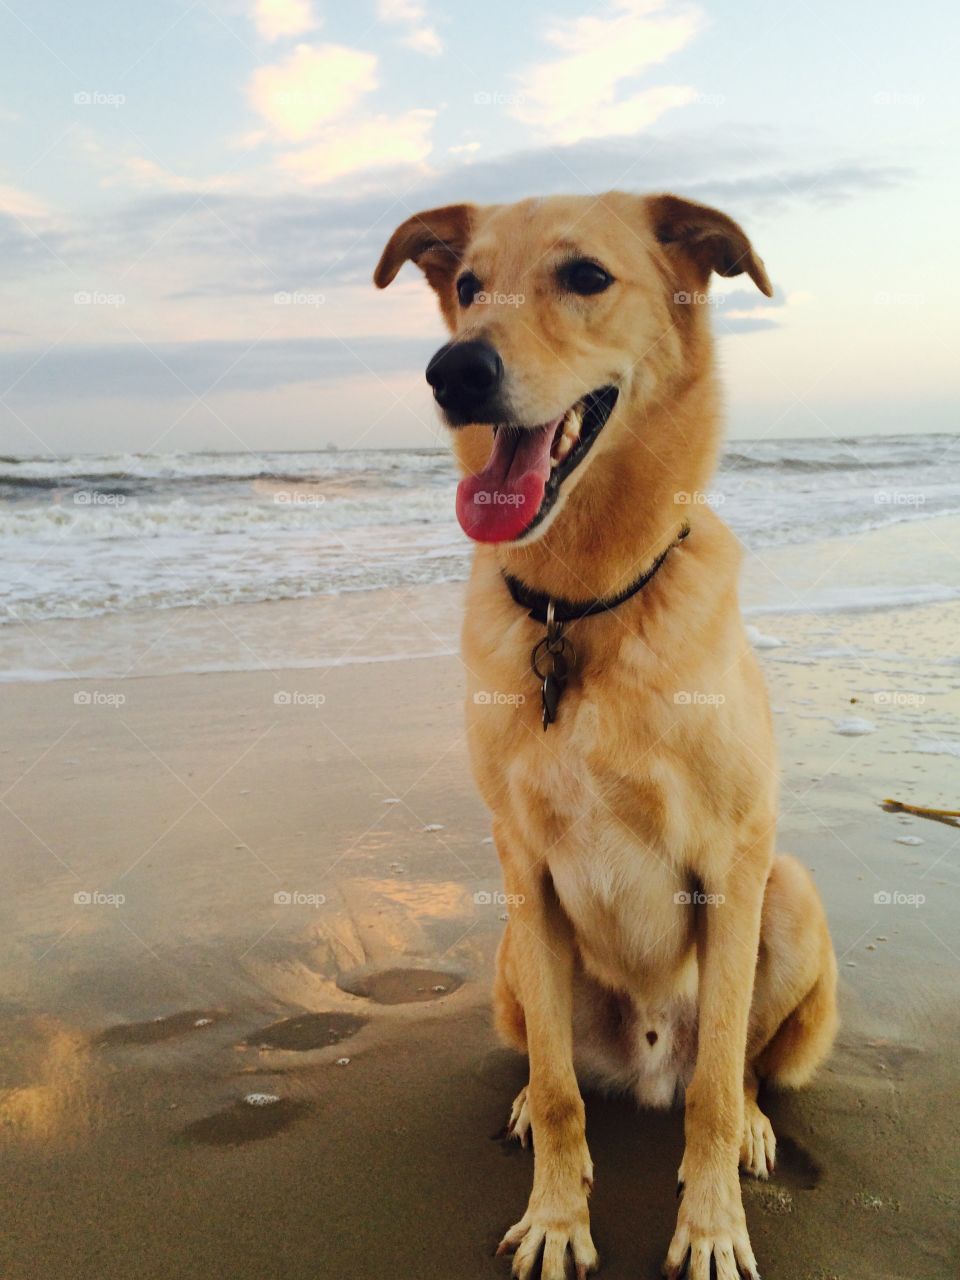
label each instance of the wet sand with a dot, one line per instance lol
(255, 917)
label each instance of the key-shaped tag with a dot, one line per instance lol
(550, 692)
(550, 666)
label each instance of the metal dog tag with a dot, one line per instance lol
(551, 667)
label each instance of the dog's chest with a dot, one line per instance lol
(613, 834)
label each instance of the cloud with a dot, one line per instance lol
(312, 87)
(177, 369)
(577, 95)
(320, 236)
(370, 144)
(277, 18)
(139, 171)
(21, 204)
(412, 15)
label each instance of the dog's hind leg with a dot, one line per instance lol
(793, 1016)
(793, 1019)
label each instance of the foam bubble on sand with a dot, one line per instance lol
(261, 1099)
(761, 641)
(853, 727)
(909, 840)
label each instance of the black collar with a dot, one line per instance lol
(537, 602)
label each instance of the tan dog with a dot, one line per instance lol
(657, 943)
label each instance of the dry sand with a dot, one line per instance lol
(135, 1023)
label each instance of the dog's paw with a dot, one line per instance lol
(539, 1231)
(711, 1227)
(518, 1126)
(758, 1151)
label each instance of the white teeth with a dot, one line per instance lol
(569, 435)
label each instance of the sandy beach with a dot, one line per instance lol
(193, 859)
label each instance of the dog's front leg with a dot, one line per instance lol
(711, 1222)
(557, 1218)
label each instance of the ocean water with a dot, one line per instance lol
(94, 535)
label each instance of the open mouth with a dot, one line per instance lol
(526, 469)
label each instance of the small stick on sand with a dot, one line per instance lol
(949, 816)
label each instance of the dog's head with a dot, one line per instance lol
(571, 319)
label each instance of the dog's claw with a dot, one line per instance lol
(518, 1126)
(675, 1272)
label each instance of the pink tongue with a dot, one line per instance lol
(498, 503)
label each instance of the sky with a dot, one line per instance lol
(193, 194)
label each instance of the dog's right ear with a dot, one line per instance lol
(435, 240)
(707, 238)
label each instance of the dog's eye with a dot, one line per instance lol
(585, 277)
(468, 286)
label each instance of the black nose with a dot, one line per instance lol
(465, 376)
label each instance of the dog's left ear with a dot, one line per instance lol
(711, 240)
(435, 240)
